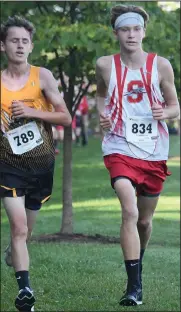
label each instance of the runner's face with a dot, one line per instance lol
(18, 45)
(130, 37)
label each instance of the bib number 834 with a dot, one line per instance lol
(141, 128)
(24, 138)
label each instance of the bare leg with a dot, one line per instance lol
(146, 207)
(18, 223)
(31, 219)
(15, 209)
(130, 241)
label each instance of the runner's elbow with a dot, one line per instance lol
(67, 120)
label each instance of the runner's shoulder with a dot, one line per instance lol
(104, 61)
(163, 63)
(46, 77)
(44, 72)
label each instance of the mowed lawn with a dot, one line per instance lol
(91, 277)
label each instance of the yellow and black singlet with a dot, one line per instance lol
(40, 158)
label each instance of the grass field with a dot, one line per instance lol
(91, 277)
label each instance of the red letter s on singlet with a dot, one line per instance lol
(134, 86)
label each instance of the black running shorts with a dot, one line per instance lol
(36, 188)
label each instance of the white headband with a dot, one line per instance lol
(129, 18)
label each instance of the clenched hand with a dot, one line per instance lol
(158, 112)
(105, 122)
(20, 110)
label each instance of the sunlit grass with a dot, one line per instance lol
(112, 204)
(174, 163)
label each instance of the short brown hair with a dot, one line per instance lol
(16, 21)
(121, 9)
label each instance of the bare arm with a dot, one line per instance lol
(60, 115)
(101, 94)
(101, 86)
(169, 92)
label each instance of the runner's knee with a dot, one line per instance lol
(126, 195)
(19, 231)
(144, 224)
(129, 215)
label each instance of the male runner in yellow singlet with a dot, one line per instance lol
(28, 94)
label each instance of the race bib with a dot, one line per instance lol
(141, 130)
(24, 138)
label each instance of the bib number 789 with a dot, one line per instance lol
(141, 128)
(24, 137)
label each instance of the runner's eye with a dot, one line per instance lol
(137, 28)
(25, 41)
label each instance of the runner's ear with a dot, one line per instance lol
(32, 46)
(2, 47)
(144, 33)
(115, 34)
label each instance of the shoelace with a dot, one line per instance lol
(28, 289)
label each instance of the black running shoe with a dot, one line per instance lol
(132, 297)
(25, 300)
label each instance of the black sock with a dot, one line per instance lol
(141, 258)
(132, 269)
(141, 254)
(141, 266)
(22, 278)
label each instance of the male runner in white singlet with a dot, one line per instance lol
(135, 94)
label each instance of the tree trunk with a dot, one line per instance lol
(67, 213)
